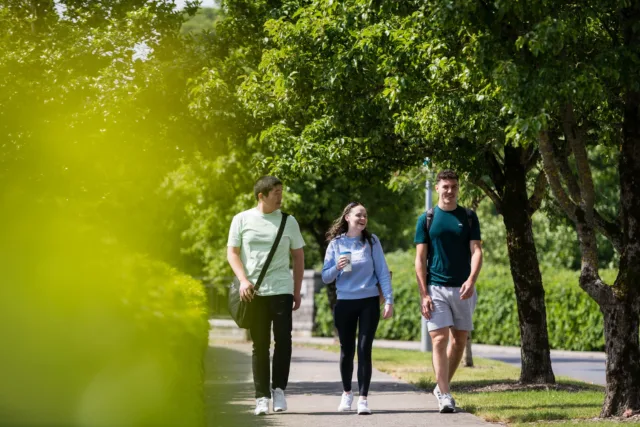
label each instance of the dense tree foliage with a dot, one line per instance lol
(480, 86)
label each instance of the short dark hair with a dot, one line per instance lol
(265, 184)
(446, 174)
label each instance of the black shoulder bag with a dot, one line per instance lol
(241, 310)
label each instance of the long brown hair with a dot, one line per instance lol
(340, 225)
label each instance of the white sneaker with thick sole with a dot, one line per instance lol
(438, 395)
(262, 406)
(363, 408)
(279, 402)
(446, 404)
(345, 402)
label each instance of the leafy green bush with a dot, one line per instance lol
(323, 318)
(574, 319)
(96, 336)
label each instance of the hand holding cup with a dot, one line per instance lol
(344, 261)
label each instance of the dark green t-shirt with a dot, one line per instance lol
(448, 242)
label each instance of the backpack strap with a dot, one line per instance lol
(469, 217)
(429, 220)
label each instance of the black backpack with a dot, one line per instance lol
(430, 218)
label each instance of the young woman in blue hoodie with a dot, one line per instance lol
(355, 260)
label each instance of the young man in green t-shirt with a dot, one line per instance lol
(451, 249)
(251, 237)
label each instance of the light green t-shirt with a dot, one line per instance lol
(254, 233)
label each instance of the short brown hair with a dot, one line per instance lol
(446, 174)
(264, 185)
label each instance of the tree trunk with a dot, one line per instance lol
(621, 318)
(623, 360)
(525, 270)
(467, 356)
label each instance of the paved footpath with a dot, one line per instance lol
(313, 394)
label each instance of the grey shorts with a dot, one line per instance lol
(449, 310)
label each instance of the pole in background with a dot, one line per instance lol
(425, 339)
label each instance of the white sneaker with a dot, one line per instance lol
(446, 404)
(436, 392)
(363, 408)
(438, 395)
(262, 406)
(279, 402)
(345, 402)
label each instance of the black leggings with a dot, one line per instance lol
(348, 314)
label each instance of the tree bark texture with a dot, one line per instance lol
(525, 270)
(622, 317)
(467, 356)
(623, 360)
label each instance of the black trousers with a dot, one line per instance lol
(363, 314)
(276, 310)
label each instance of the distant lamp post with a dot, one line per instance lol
(425, 339)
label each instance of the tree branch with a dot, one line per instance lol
(539, 191)
(597, 289)
(495, 198)
(496, 173)
(551, 169)
(611, 230)
(567, 174)
(532, 161)
(575, 137)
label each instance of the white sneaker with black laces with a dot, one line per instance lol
(345, 402)
(363, 408)
(446, 404)
(262, 406)
(279, 402)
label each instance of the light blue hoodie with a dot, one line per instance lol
(361, 281)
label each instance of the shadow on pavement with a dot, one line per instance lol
(375, 411)
(300, 359)
(228, 394)
(334, 388)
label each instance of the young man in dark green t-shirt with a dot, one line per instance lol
(453, 247)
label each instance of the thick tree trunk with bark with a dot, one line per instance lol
(623, 359)
(510, 197)
(622, 317)
(525, 270)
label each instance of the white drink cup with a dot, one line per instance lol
(346, 255)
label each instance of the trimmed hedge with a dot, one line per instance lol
(574, 319)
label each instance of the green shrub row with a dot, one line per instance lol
(102, 337)
(162, 355)
(573, 318)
